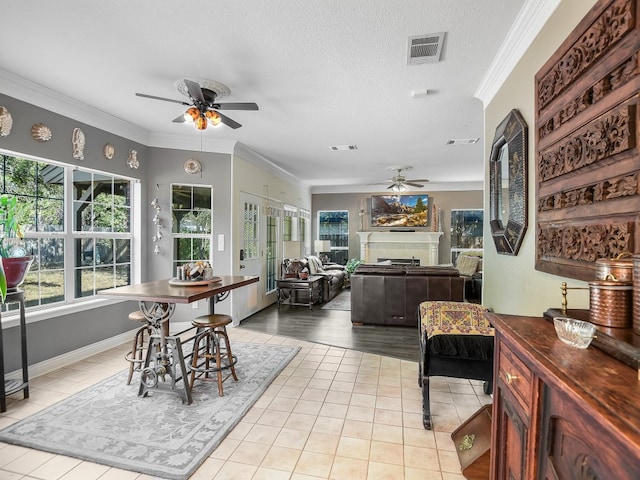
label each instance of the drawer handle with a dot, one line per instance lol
(510, 378)
(467, 442)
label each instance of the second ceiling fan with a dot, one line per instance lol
(399, 183)
(203, 108)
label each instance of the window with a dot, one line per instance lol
(77, 225)
(192, 213)
(333, 225)
(466, 232)
(101, 231)
(272, 252)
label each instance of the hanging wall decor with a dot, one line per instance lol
(132, 160)
(157, 221)
(6, 122)
(192, 166)
(41, 132)
(109, 151)
(77, 141)
(586, 144)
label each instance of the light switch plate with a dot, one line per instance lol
(221, 242)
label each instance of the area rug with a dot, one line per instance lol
(342, 301)
(109, 424)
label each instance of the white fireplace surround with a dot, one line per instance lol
(406, 245)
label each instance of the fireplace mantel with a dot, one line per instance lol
(419, 245)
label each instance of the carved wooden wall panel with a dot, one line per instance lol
(587, 158)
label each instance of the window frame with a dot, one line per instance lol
(207, 236)
(70, 303)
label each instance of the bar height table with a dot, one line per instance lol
(164, 355)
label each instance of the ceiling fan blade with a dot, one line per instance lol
(419, 180)
(228, 121)
(194, 91)
(161, 98)
(236, 106)
(179, 119)
(413, 184)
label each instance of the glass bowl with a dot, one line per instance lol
(576, 333)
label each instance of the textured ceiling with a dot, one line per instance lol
(323, 72)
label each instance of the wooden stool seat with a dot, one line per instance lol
(137, 354)
(212, 320)
(138, 316)
(207, 348)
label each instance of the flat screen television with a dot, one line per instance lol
(394, 211)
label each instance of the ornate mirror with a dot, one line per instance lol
(508, 184)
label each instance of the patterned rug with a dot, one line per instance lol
(109, 424)
(342, 301)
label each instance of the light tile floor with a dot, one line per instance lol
(331, 414)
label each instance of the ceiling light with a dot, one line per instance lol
(191, 114)
(399, 187)
(463, 141)
(201, 123)
(214, 117)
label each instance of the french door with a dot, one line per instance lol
(258, 253)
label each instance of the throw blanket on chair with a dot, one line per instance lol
(455, 341)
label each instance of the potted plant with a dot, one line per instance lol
(349, 268)
(15, 263)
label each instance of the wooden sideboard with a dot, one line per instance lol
(560, 412)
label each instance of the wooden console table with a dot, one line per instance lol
(560, 412)
(7, 387)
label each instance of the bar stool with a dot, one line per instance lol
(136, 356)
(207, 348)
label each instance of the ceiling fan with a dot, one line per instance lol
(399, 182)
(203, 107)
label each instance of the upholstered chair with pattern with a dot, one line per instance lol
(455, 341)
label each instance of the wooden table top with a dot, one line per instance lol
(160, 290)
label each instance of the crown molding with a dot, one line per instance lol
(532, 17)
(40, 96)
(246, 153)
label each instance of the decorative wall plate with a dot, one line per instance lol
(6, 122)
(41, 132)
(192, 166)
(132, 161)
(77, 140)
(109, 151)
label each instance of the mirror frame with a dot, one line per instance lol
(512, 132)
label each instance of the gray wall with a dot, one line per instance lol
(353, 201)
(62, 334)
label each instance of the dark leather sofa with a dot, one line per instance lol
(333, 275)
(391, 294)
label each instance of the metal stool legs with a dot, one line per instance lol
(208, 348)
(136, 356)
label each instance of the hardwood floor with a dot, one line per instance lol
(334, 327)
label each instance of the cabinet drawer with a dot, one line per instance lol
(516, 376)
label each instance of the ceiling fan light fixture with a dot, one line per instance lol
(201, 123)
(214, 117)
(192, 114)
(398, 187)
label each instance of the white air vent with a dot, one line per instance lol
(463, 141)
(343, 147)
(425, 48)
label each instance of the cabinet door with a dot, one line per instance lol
(576, 444)
(511, 439)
